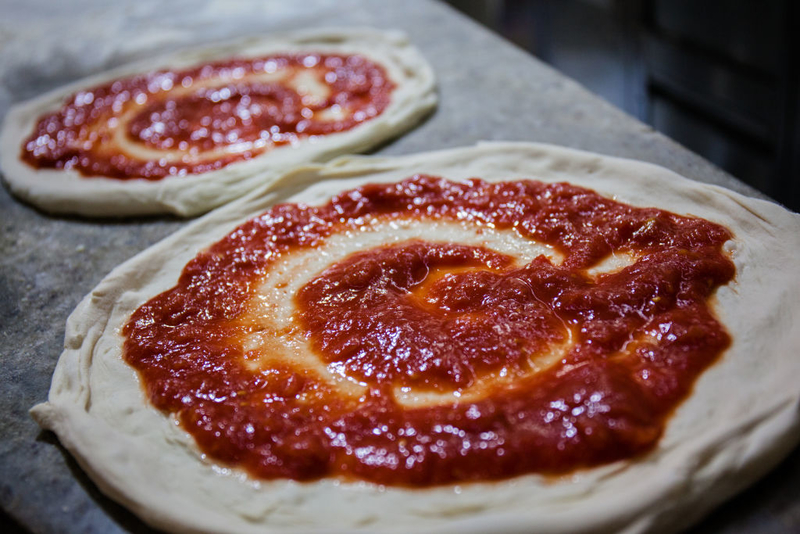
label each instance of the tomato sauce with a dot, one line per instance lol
(167, 123)
(444, 319)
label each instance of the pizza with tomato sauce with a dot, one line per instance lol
(507, 336)
(194, 129)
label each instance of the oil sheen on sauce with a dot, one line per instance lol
(534, 367)
(168, 123)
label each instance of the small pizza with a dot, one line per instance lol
(508, 337)
(192, 130)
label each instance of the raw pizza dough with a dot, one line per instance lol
(68, 191)
(740, 420)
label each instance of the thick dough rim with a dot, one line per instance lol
(59, 191)
(746, 405)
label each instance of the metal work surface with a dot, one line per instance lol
(488, 89)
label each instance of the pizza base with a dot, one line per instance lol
(59, 191)
(741, 419)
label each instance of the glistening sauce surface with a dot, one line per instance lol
(168, 123)
(541, 366)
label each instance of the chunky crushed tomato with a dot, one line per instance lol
(196, 120)
(468, 325)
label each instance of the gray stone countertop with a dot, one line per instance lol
(488, 89)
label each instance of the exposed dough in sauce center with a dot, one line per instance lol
(427, 362)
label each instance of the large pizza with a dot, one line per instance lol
(192, 130)
(508, 337)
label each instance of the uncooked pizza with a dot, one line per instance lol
(195, 129)
(508, 336)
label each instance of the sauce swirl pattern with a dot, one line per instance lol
(169, 123)
(424, 362)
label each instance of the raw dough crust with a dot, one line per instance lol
(741, 419)
(60, 191)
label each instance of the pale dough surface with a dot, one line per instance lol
(60, 191)
(740, 420)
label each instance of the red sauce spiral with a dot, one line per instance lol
(436, 317)
(201, 119)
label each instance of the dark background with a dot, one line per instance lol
(718, 76)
